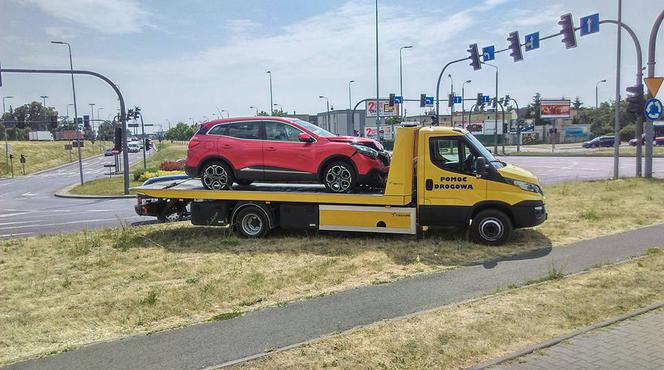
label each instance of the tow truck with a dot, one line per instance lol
(439, 176)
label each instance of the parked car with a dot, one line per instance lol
(659, 140)
(108, 152)
(600, 141)
(133, 147)
(278, 149)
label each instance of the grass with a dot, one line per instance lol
(115, 185)
(461, 335)
(41, 155)
(59, 292)
(625, 151)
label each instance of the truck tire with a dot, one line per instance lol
(339, 177)
(216, 175)
(490, 227)
(251, 222)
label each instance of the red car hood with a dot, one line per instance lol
(354, 139)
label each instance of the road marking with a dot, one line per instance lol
(14, 214)
(68, 223)
(15, 234)
(15, 223)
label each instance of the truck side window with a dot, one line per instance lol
(446, 152)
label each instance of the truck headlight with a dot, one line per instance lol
(525, 186)
(369, 152)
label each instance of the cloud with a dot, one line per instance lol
(60, 33)
(241, 27)
(106, 16)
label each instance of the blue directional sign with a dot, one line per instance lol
(488, 53)
(653, 109)
(589, 24)
(429, 101)
(457, 100)
(486, 98)
(398, 99)
(532, 41)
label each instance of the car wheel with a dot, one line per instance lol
(244, 182)
(339, 177)
(217, 175)
(490, 227)
(251, 222)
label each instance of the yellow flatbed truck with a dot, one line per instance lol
(439, 176)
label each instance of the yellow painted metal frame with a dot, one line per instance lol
(393, 220)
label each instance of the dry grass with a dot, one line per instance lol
(41, 155)
(459, 336)
(59, 292)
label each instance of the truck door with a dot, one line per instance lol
(451, 186)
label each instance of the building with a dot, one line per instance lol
(340, 122)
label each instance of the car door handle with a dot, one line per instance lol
(428, 184)
(226, 146)
(270, 149)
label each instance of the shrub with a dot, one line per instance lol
(154, 173)
(138, 173)
(171, 166)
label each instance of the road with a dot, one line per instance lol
(28, 207)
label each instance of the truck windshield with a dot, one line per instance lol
(313, 128)
(472, 141)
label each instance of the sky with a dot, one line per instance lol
(182, 59)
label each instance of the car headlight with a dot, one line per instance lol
(525, 185)
(369, 152)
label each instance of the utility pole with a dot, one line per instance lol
(327, 101)
(616, 126)
(92, 123)
(271, 102)
(495, 133)
(350, 99)
(401, 74)
(3, 121)
(463, 103)
(377, 81)
(44, 100)
(596, 93)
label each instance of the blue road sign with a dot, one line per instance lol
(653, 110)
(398, 100)
(457, 100)
(486, 98)
(488, 53)
(429, 101)
(532, 41)
(589, 24)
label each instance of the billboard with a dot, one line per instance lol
(387, 132)
(554, 108)
(385, 109)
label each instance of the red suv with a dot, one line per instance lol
(277, 149)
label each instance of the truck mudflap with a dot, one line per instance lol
(392, 220)
(528, 213)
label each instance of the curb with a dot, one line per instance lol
(552, 342)
(65, 193)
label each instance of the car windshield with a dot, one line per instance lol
(313, 128)
(484, 152)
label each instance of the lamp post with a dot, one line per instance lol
(401, 73)
(3, 121)
(377, 80)
(44, 99)
(281, 108)
(69, 105)
(452, 97)
(228, 114)
(73, 89)
(99, 118)
(350, 100)
(329, 122)
(463, 103)
(92, 122)
(271, 102)
(252, 107)
(596, 92)
(495, 133)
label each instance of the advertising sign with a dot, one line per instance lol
(386, 132)
(554, 109)
(385, 109)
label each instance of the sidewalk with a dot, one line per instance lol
(255, 333)
(635, 343)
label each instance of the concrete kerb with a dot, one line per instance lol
(66, 193)
(552, 342)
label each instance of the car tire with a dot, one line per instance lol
(244, 182)
(251, 222)
(490, 227)
(339, 177)
(217, 175)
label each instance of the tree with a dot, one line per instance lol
(35, 115)
(577, 103)
(533, 110)
(262, 113)
(181, 132)
(601, 119)
(105, 131)
(279, 113)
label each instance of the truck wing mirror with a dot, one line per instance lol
(481, 166)
(305, 138)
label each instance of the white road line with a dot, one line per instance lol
(15, 223)
(15, 234)
(67, 223)
(13, 214)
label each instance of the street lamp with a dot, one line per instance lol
(73, 89)
(281, 108)
(350, 100)
(92, 122)
(255, 108)
(228, 114)
(463, 103)
(3, 121)
(401, 73)
(596, 89)
(329, 122)
(44, 99)
(69, 105)
(495, 133)
(451, 97)
(271, 102)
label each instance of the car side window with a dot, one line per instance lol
(445, 153)
(278, 131)
(245, 130)
(219, 130)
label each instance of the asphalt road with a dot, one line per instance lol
(28, 207)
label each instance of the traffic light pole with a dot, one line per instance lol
(652, 43)
(440, 77)
(125, 156)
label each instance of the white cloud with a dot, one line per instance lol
(60, 33)
(105, 16)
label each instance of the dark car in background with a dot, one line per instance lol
(600, 142)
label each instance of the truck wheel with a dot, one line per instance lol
(339, 177)
(490, 227)
(217, 175)
(251, 222)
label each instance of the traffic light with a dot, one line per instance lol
(507, 99)
(474, 57)
(567, 24)
(392, 97)
(86, 121)
(117, 139)
(148, 144)
(480, 100)
(130, 114)
(423, 100)
(635, 101)
(515, 46)
(54, 121)
(137, 112)
(450, 100)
